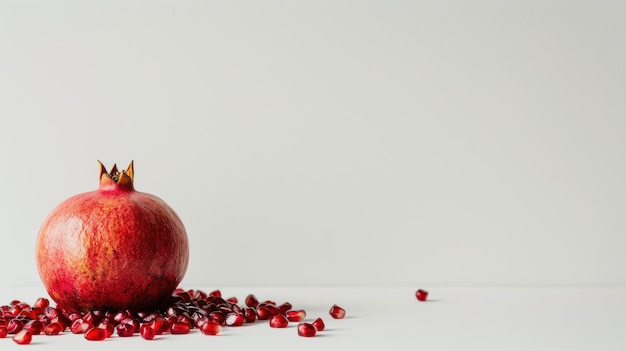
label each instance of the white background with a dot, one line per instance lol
(330, 142)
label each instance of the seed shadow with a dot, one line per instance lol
(322, 335)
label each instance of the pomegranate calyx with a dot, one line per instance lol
(115, 179)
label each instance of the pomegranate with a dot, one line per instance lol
(114, 248)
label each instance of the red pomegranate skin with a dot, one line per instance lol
(114, 248)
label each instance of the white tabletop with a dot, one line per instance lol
(454, 318)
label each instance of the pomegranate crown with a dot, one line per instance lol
(116, 179)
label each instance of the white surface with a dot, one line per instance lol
(387, 142)
(454, 318)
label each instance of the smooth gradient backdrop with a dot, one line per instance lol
(328, 142)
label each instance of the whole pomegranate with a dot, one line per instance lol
(112, 248)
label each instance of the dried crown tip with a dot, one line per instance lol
(126, 176)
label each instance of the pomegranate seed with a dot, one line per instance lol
(147, 332)
(252, 301)
(134, 324)
(279, 321)
(263, 312)
(93, 318)
(185, 319)
(306, 330)
(108, 327)
(185, 295)
(96, 334)
(120, 316)
(234, 319)
(249, 314)
(421, 295)
(296, 315)
(79, 326)
(170, 322)
(210, 328)
(218, 316)
(35, 312)
(14, 326)
(3, 331)
(23, 337)
(180, 328)
(42, 302)
(318, 324)
(337, 312)
(232, 300)
(51, 312)
(200, 295)
(34, 327)
(54, 328)
(74, 316)
(215, 293)
(125, 329)
(286, 306)
(160, 325)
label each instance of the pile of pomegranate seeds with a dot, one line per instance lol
(421, 295)
(184, 311)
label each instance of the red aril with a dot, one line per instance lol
(296, 315)
(284, 307)
(42, 302)
(337, 312)
(114, 248)
(252, 301)
(180, 328)
(79, 326)
(421, 295)
(234, 319)
(34, 326)
(319, 324)
(306, 330)
(14, 326)
(249, 314)
(96, 334)
(23, 337)
(108, 327)
(160, 325)
(218, 316)
(279, 321)
(263, 312)
(54, 328)
(210, 328)
(125, 330)
(147, 332)
(3, 331)
(232, 299)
